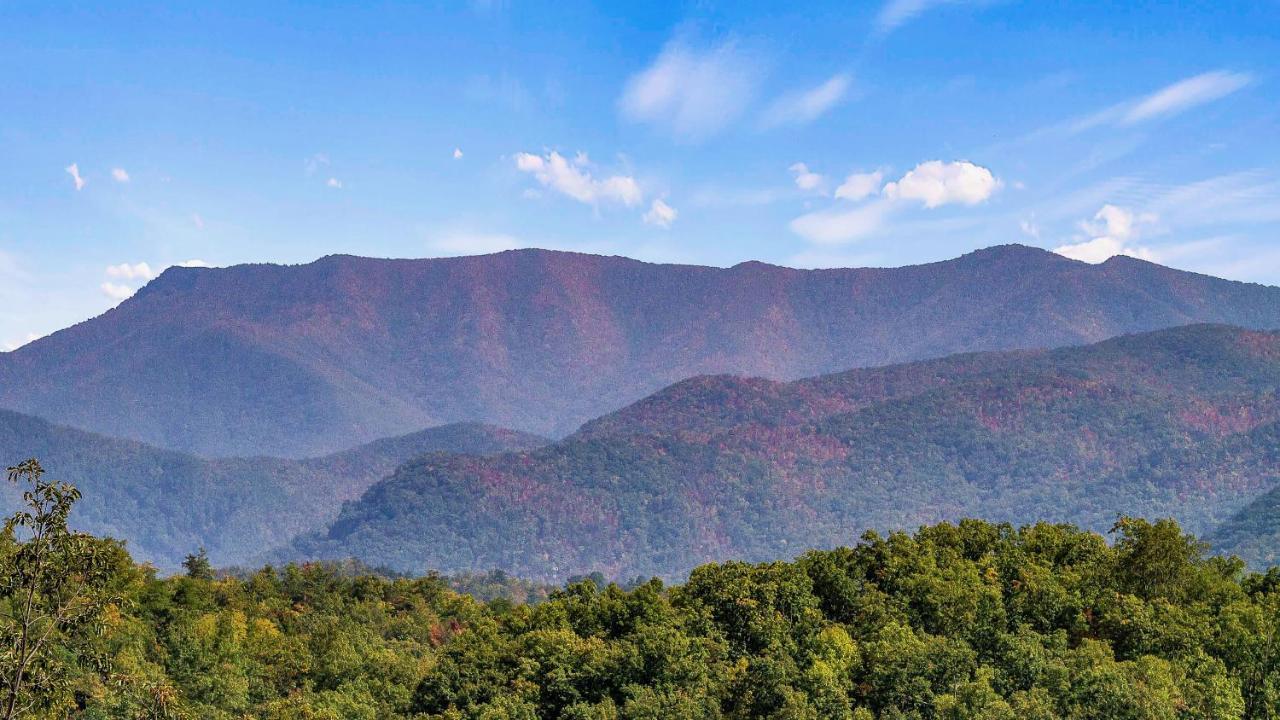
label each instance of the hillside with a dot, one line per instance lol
(166, 504)
(303, 360)
(1253, 534)
(1181, 422)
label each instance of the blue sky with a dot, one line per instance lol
(136, 136)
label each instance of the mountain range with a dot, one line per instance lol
(1183, 422)
(298, 361)
(271, 412)
(167, 504)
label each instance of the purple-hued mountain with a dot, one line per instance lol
(301, 360)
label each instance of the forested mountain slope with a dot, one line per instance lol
(1253, 533)
(1181, 422)
(302, 360)
(167, 504)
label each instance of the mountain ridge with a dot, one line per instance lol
(166, 503)
(1178, 422)
(301, 360)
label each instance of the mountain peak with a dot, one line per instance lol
(1013, 252)
(311, 358)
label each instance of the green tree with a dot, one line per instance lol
(198, 566)
(54, 584)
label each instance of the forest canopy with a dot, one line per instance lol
(967, 620)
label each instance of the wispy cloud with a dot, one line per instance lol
(334, 183)
(712, 196)
(1168, 101)
(74, 171)
(119, 175)
(315, 162)
(574, 179)
(1186, 94)
(660, 214)
(800, 108)
(834, 227)
(1243, 198)
(504, 90)
(896, 13)
(692, 93)
(457, 153)
(1029, 227)
(860, 185)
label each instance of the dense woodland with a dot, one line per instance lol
(1181, 423)
(164, 502)
(967, 620)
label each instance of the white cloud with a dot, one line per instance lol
(135, 271)
(936, 183)
(74, 171)
(804, 107)
(116, 291)
(1111, 221)
(895, 13)
(334, 183)
(125, 271)
(690, 93)
(119, 175)
(197, 221)
(805, 178)
(575, 180)
(11, 345)
(1098, 250)
(467, 243)
(457, 153)
(860, 185)
(833, 227)
(660, 214)
(1108, 234)
(1186, 94)
(933, 184)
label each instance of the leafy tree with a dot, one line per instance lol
(54, 586)
(198, 566)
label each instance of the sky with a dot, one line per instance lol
(137, 136)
